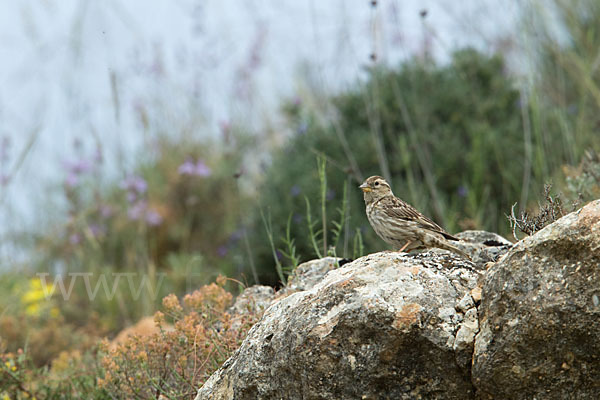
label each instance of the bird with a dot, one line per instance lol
(400, 224)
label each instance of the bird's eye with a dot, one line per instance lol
(377, 183)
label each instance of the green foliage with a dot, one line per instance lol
(339, 226)
(313, 233)
(562, 107)
(567, 82)
(268, 224)
(290, 246)
(449, 138)
(321, 168)
(71, 376)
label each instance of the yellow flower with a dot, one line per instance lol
(35, 283)
(33, 309)
(36, 293)
(5, 396)
(10, 366)
(32, 296)
(54, 312)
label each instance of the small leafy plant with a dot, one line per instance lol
(317, 235)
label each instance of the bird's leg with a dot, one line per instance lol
(405, 246)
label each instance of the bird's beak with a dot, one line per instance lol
(365, 188)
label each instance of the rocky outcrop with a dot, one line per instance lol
(519, 322)
(540, 315)
(387, 325)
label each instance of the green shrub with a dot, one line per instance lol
(566, 90)
(73, 375)
(449, 138)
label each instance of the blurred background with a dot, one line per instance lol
(168, 142)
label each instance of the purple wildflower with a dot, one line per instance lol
(198, 169)
(138, 184)
(72, 180)
(106, 211)
(96, 230)
(137, 211)
(75, 170)
(297, 218)
(153, 218)
(295, 190)
(135, 186)
(462, 191)
(187, 168)
(131, 197)
(80, 167)
(330, 195)
(302, 128)
(75, 238)
(202, 169)
(222, 251)
(237, 235)
(140, 211)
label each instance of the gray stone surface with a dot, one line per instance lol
(540, 315)
(254, 299)
(387, 325)
(308, 274)
(483, 247)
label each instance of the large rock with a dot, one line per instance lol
(540, 315)
(386, 326)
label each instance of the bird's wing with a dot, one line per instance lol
(396, 208)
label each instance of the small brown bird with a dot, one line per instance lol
(400, 224)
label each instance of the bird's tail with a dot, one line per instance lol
(447, 246)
